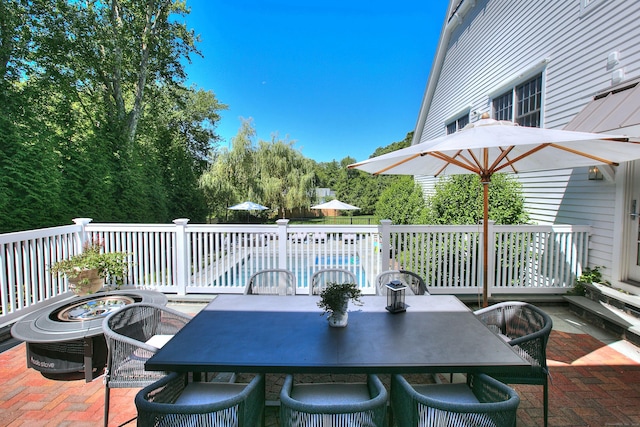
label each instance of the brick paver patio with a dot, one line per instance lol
(592, 385)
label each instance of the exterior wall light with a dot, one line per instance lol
(595, 174)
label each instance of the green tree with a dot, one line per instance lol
(366, 189)
(29, 176)
(402, 202)
(94, 117)
(287, 180)
(177, 140)
(458, 199)
(406, 142)
(357, 187)
(231, 175)
(327, 173)
(116, 51)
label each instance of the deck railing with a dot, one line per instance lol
(183, 258)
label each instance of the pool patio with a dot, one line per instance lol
(595, 382)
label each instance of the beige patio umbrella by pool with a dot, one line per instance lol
(489, 146)
(336, 205)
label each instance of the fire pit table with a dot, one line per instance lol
(65, 338)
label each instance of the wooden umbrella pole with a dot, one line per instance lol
(485, 238)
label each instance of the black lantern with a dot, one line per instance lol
(395, 297)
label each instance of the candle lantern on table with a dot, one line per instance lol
(395, 296)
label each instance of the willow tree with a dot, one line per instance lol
(231, 176)
(272, 173)
(287, 178)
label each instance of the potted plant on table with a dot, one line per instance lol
(88, 270)
(334, 299)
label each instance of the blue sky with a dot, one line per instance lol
(338, 77)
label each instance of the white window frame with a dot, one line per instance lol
(512, 95)
(456, 122)
(522, 76)
(588, 6)
(455, 118)
(517, 100)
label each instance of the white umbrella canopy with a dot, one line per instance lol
(248, 206)
(335, 204)
(489, 146)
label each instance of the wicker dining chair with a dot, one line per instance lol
(333, 404)
(176, 401)
(413, 280)
(271, 282)
(480, 402)
(526, 328)
(321, 278)
(133, 334)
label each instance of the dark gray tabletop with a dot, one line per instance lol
(260, 333)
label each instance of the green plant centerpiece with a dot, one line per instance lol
(334, 300)
(88, 270)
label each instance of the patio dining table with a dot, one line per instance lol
(287, 334)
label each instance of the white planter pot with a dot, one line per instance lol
(339, 318)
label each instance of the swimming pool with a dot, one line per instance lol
(303, 268)
(337, 260)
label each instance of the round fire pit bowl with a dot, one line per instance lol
(64, 340)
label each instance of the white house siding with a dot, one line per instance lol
(568, 197)
(499, 40)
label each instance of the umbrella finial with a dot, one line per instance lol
(485, 115)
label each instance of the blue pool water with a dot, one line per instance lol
(337, 260)
(303, 268)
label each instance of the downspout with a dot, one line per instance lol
(456, 15)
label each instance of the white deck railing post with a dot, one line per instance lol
(283, 225)
(81, 237)
(182, 255)
(385, 244)
(491, 256)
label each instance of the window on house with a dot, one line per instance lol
(529, 98)
(587, 5)
(457, 124)
(522, 104)
(503, 107)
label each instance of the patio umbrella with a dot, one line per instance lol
(489, 146)
(248, 206)
(335, 204)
